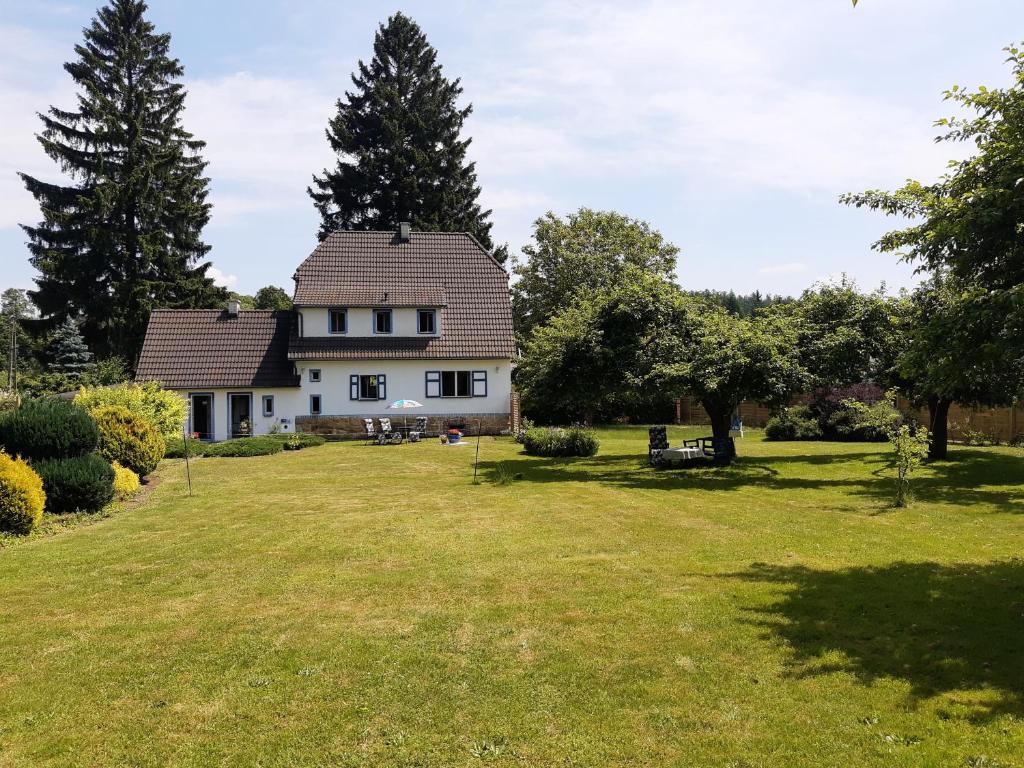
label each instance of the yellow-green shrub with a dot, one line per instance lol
(126, 482)
(164, 409)
(128, 439)
(21, 496)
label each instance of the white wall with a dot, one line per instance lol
(406, 379)
(360, 322)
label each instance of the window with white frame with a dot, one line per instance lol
(382, 321)
(314, 375)
(426, 321)
(268, 405)
(456, 384)
(337, 321)
(372, 386)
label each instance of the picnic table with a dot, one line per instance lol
(679, 455)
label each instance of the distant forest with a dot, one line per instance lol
(742, 305)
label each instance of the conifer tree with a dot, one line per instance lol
(400, 155)
(124, 236)
(70, 354)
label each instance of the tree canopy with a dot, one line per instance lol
(272, 297)
(584, 253)
(401, 156)
(125, 235)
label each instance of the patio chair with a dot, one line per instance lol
(657, 442)
(372, 435)
(419, 431)
(389, 435)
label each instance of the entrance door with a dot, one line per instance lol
(202, 416)
(240, 409)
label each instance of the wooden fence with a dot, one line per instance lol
(995, 424)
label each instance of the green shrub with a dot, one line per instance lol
(48, 429)
(175, 448)
(165, 410)
(78, 484)
(128, 439)
(9, 401)
(795, 423)
(126, 482)
(555, 441)
(21, 496)
(298, 440)
(245, 446)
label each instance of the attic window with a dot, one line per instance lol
(426, 321)
(382, 321)
(337, 321)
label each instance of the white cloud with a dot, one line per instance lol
(789, 268)
(221, 279)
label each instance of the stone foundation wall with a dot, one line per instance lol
(351, 427)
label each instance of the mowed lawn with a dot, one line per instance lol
(353, 605)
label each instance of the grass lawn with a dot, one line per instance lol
(353, 605)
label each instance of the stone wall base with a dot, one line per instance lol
(352, 427)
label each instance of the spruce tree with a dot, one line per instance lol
(400, 155)
(125, 235)
(70, 354)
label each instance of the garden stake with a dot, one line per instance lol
(188, 469)
(476, 460)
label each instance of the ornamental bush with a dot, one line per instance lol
(126, 482)
(128, 439)
(78, 484)
(299, 440)
(176, 448)
(164, 409)
(48, 429)
(555, 441)
(795, 423)
(245, 446)
(21, 496)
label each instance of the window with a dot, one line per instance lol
(337, 321)
(314, 375)
(315, 405)
(426, 321)
(268, 405)
(456, 384)
(382, 321)
(368, 386)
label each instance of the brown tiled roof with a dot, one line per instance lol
(192, 348)
(371, 295)
(477, 319)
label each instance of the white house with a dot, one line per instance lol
(378, 316)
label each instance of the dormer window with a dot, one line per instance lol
(382, 321)
(426, 321)
(337, 321)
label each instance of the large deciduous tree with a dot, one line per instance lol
(272, 297)
(401, 156)
(125, 235)
(722, 360)
(584, 253)
(968, 224)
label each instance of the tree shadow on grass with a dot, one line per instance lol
(941, 628)
(969, 479)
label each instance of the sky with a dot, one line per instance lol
(730, 127)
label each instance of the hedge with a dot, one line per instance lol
(164, 409)
(21, 496)
(128, 439)
(78, 484)
(48, 429)
(555, 441)
(244, 446)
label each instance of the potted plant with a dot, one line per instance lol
(454, 436)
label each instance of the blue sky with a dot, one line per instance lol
(730, 127)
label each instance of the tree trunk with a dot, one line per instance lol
(721, 418)
(938, 416)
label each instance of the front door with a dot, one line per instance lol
(202, 416)
(240, 411)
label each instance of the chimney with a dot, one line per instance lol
(404, 231)
(233, 307)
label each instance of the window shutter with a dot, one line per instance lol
(433, 384)
(382, 387)
(479, 383)
(353, 387)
